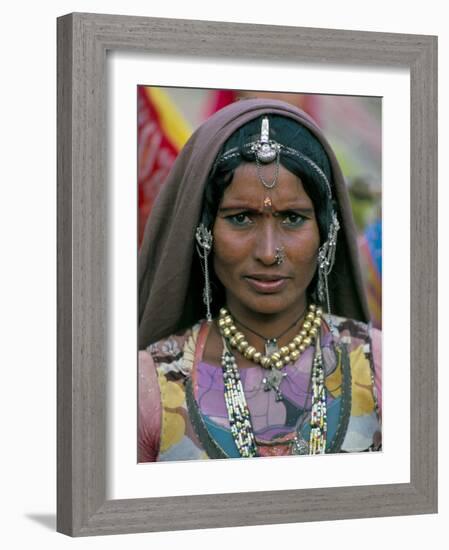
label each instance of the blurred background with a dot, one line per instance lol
(352, 125)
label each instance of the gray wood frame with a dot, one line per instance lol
(83, 41)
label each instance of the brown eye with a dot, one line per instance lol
(240, 219)
(293, 219)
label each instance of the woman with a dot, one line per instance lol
(250, 245)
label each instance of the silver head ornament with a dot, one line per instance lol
(266, 151)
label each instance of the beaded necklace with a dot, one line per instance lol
(271, 344)
(273, 360)
(237, 408)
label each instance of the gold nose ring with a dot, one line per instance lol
(279, 256)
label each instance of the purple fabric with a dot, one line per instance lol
(268, 415)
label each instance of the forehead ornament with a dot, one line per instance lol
(266, 151)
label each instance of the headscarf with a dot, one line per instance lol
(170, 286)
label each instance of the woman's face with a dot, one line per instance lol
(252, 221)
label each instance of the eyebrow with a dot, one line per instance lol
(240, 207)
(258, 210)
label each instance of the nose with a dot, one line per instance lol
(265, 244)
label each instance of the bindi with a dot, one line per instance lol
(267, 203)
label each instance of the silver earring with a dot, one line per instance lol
(204, 239)
(326, 260)
(279, 257)
(266, 151)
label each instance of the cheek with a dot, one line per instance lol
(228, 250)
(304, 249)
(224, 252)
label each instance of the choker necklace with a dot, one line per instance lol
(240, 418)
(271, 344)
(277, 360)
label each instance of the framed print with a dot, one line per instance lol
(107, 67)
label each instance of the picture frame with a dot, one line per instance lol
(83, 43)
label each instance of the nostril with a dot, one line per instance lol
(270, 254)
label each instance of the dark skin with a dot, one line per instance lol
(251, 223)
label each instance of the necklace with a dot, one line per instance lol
(300, 445)
(271, 344)
(238, 412)
(274, 361)
(278, 359)
(239, 415)
(236, 405)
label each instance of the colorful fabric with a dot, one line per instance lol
(183, 414)
(370, 246)
(162, 132)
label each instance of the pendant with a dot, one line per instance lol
(271, 346)
(300, 446)
(272, 382)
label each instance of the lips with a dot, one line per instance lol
(266, 283)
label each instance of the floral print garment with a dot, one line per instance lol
(174, 426)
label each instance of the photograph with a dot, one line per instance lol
(259, 274)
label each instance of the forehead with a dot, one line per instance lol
(247, 186)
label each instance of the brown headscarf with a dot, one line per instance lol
(169, 289)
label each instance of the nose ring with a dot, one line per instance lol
(279, 257)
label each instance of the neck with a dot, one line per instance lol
(267, 325)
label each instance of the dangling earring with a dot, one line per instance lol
(204, 246)
(326, 260)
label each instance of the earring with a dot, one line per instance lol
(279, 257)
(326, 260)
(204, 239)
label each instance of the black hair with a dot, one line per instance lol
(294, 137)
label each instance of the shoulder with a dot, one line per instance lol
(162, 368)
(364, 344)
(174, 353)
(350, 327)
(355, 333)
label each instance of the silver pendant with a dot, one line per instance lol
(272, 382)
(300, 446)
(271, 346)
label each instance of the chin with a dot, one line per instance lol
(269, 305)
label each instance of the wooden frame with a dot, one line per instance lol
(83, 40)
